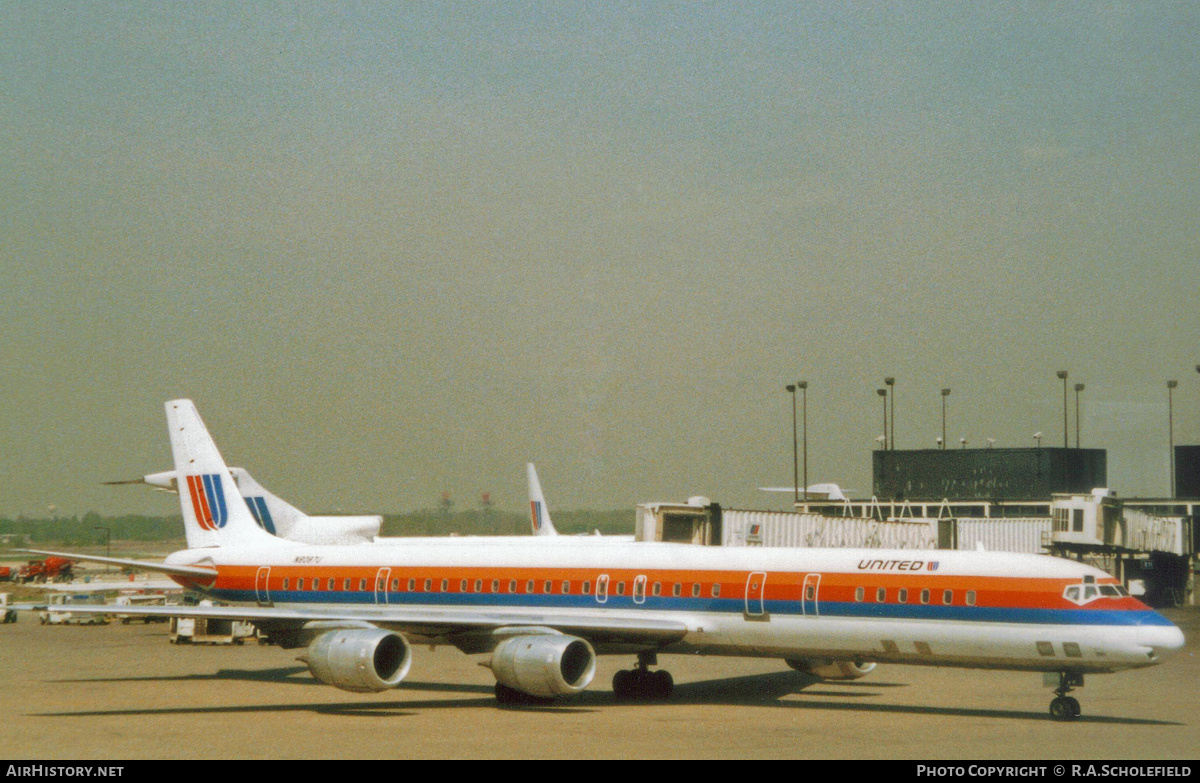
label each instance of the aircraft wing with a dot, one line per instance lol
(162, 568)
(421, 621)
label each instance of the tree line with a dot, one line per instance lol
(92, 529)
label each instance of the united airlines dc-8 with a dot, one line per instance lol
(544, 612)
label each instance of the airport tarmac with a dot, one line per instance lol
(123, 692)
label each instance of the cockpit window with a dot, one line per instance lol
(1088, 592)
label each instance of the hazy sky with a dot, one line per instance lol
(393, 250)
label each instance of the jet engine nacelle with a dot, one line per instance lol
(828, 669)
(359, 660)
(545, 665)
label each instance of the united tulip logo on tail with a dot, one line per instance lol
(208, 500)
(535, 508)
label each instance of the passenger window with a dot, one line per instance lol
(677, 590)
(903, 595)
(479, 585)
(396, 585)
(881, 594)
(566, 586)
(346, 583)
(285, 583)
(947, 597)
(695, 590)
(300, 583)
(970, 598)
(329, 585)
(587, 586)
(924, 596)
(810, 592)
(859, 592)
(1045, 648)
(1072, 650)
(716, 590)
(362, 585)
(620, 588)
(529, 586)
(462, 586)
(546, 587)
(656, 589)
(445, 585)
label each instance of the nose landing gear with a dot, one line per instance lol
(1064, 707)
(641, 684)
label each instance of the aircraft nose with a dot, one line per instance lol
(1163, 641)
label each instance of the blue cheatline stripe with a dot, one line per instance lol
(264, 515)
(216, 499)
(735, 606)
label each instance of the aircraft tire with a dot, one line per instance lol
(661, 684)
(1061, 709)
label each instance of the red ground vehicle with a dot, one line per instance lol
(6, 574)
(52, 569)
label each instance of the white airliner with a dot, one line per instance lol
(544, 612)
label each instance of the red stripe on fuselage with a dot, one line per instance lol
(999, 592)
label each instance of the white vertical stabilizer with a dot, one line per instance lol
(214, 513)
(539, 515)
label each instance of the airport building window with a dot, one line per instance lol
(1077, 520)
(903, 595)
(970, 598)
(859, 593)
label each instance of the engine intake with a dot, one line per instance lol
(547, 666)
(359, 660)
(828, 669)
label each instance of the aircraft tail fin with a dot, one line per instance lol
(214, 513)
(538, 513)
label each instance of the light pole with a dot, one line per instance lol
(945, 394)
(1171, 430)
(1063, 374)
(1078, 388)
(804, 430)
(891, 384)
(791, 387)
(883, 393)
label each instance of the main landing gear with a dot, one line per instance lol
(1064, 707)
(641, 684)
